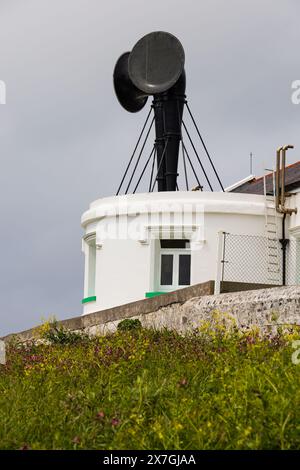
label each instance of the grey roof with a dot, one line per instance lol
(256, 186)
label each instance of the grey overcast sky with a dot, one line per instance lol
(65, 140)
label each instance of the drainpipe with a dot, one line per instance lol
(280, 201)
(284, 242)
(277, 179)
(285, 148)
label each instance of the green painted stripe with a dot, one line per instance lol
(89, 299)
(148, 295)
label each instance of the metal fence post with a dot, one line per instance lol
(220, 264)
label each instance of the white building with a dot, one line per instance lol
(141, 245)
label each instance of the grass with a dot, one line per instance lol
(144, 389)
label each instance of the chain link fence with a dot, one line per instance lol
(259, 260)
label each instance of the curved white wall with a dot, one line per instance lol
(125, 230)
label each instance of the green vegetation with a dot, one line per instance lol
(56, 334)
(129, 324)
(144, 389)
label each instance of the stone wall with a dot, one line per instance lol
(265, 308)
(183, 311)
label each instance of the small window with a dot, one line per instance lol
(184, 270)
(166, 277)
(92, 270)
(174, 269)
(169, 243)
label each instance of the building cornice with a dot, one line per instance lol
(154, 203)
